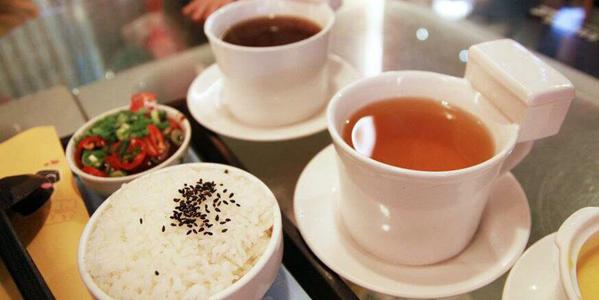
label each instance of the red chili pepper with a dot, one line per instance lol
(91, 142)
(138, 159)
(154, 141)
(88, 143)
(114, 161)
(143, 100)
(93, 171)
(173, 124)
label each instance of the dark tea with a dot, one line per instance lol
(419, 134)
(270, 31)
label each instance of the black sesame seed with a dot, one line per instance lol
(231, 195)
(192, 206)
(141, 221)
(228, 220)
(226, 171)
(237, 204)
(224, 230)
(163, 228)
(232, 201)
(156, 272)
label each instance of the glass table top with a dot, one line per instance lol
(72, 43)
(559, 176)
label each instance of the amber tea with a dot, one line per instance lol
(419, 134)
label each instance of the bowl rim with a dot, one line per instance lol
(170, 112)
(268, 253)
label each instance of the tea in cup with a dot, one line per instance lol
(273, 57)
(418, 152)
(578, 243)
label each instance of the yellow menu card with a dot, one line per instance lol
(51, 233)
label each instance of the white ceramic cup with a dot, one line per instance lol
(572, 235)
(272, 86)
(408, 216)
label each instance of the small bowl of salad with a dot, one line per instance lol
(128, 142)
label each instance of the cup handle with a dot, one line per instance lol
(520, 151)
(525, 89)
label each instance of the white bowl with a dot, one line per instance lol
(572, 235)
(108, 185)
(253, 285)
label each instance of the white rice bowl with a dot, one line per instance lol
(126, 254)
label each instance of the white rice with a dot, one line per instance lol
(123, 255)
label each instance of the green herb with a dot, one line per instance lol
(93, 158)
(117, 173)
(163, 125)
(176, 137)
(122, 148)
(155, 117)
(123, 132)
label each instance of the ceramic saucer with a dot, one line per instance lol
(499, 241)
(206, 107)
(535, 276)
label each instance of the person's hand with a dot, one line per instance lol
(14, 13)
(199, 10)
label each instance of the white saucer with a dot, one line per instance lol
(535, 276)
(206, 107)
(501, 238)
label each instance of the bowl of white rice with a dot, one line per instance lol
(192, 231)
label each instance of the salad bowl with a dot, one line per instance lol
(106, 156)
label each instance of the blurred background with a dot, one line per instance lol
(76, 42)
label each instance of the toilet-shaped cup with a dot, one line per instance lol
(420, 217)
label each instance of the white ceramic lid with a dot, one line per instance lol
(524, 88)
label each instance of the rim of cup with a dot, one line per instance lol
(209, 25)
(360, 84)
